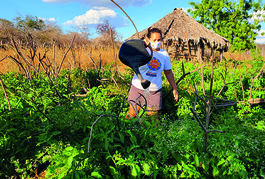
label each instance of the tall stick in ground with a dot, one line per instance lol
(208, 103)
(113, 50)
(3, 86)
(239, 67)
(64, 57)
(127, 16)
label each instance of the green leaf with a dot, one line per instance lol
(106, 144)
(179, 166)
(121, 137)
(132, 147)
(96, 174)
(77, 176)
(146, 168)
(215, 171)
(69, 148)
(221, 162)
(135, 170)
(56, 133)
(196, 158)
(4, 126)
(132, 138)
(69, 161)
(187, 156)
(230, 157)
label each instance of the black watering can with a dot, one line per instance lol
(133, 53)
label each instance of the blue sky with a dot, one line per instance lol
(72, 13)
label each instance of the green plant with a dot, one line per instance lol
(230, 19)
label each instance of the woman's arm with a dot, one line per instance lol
(170, 77)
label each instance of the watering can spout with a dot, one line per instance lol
(145, 83)
(133, 53)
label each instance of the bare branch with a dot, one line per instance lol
(216, 131)
(136, 112)
(226, 100)
(196, 89)
(183, 69)
(195, 115)
(250, 101)
(223, 87)
(117, 85)
(201, 98)
(250, 93)
(211, 83)
(3, 86)
(54, 64)
(19, 64)
(202, 77)
(65, 56)
(260, 71)
(195, 67)
(91, 130)
(3, 58)
(127, 16)
(92, 60)
(113, 50)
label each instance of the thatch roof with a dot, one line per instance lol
(180, 26)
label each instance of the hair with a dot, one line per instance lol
(153, 30)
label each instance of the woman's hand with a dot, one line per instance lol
(146, 43)
(170, 78)
(176, 95)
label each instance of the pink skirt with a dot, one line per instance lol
(153, 99)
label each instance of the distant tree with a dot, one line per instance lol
(82, 34)
(6, 23)
(51, 32)
(7, 29)
(30, 22)
(104, 30)
(230, 19)
(43, 32)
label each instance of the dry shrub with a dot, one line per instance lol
(76, 57)
(237, 56)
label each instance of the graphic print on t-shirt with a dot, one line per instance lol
(153, 65)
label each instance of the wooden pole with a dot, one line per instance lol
(198, 52)
(113, 50)
(127, 16)
(221, 55)
(3, 86)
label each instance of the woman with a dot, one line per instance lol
(152, 71)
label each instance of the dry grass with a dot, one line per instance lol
(237, 56)
(78, 57)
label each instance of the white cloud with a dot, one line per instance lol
(105, 3)
(51, 19)
(259, 33)
(96, 16)
(259, 15)
(260, 39)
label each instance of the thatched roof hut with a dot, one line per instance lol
(178, 28)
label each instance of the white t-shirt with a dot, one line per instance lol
(152, 71)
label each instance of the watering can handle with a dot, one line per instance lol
(149, 46)
(145, 83)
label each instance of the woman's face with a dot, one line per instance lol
(155, 37)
